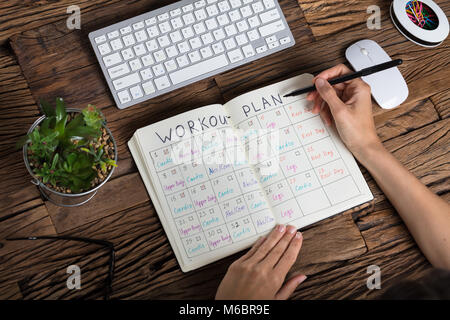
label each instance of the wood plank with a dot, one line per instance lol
(408, 117)
(328, 17)
(25, 15)
(17, 112)
(115, 196)
(441, 102)
(10, 291)
(349, 281)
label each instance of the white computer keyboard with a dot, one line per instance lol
(176, 45)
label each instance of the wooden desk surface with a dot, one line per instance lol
(41, 58)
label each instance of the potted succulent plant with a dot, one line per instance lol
(69, 152)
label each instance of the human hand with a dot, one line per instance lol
(349, 104)
(259, 274)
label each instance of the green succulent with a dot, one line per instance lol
(62, 151)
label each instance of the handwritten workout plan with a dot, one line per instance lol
(222, 175)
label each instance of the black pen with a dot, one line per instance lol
(351, 76)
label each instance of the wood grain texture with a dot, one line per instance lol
(441, 102)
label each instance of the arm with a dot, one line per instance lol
(426, 215)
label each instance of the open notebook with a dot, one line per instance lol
(221, 176)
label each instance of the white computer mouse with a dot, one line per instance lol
(389, 89)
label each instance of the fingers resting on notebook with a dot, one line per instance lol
(261, 272)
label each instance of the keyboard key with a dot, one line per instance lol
(194, 56)
(116, 44)
(125, 30)
(135, 64)
(151, 45)
(153, 31)
(199, 4)
(207, 38)
(163, 17)
(234, 15)
(246, 11)
(165, 27)
(104, 49)
(199, 28)
(273, 45)
(162, 83)
(218, 48)
(172, 51)
(261, 49)
(254, 22)
(271, 39)
(177, 23)
(188, 32)
(183, 47)
(271, 28)
(188, 18)
(141, 35)
(182, 61)
(127, 54)
(124, 96)
(235, 55)
(138, 25)
(223, 6)
(223, 20)
(195, 43)
(206, 52)
(100, 39)
(230, 43)
(219, 34)
(241, 39)
(126, 81)
(242, 26)
(150, 21)
(113, 34)
(148, 87)
(198, 69)
(176, 36)
(170, 65)
(188, 8)
(211, 24)
(176, 12)
(112, 59)
(136, 92)
(253, 35)
(230, 30)
(235, 3)
(146, 74)
(159, 56)
(269, 4)
(128, 40)
(118, 71)
(212, 10)
(140, 49)
(147, 60)
(158, 70)
(163, 41)
(285, 40)
(258, 7)
(248, 51)
(200, 14)
(269, 16)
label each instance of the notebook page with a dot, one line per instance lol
(304, 168)
(208, 197)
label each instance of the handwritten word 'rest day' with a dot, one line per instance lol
(263, 104)
(193, 126)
